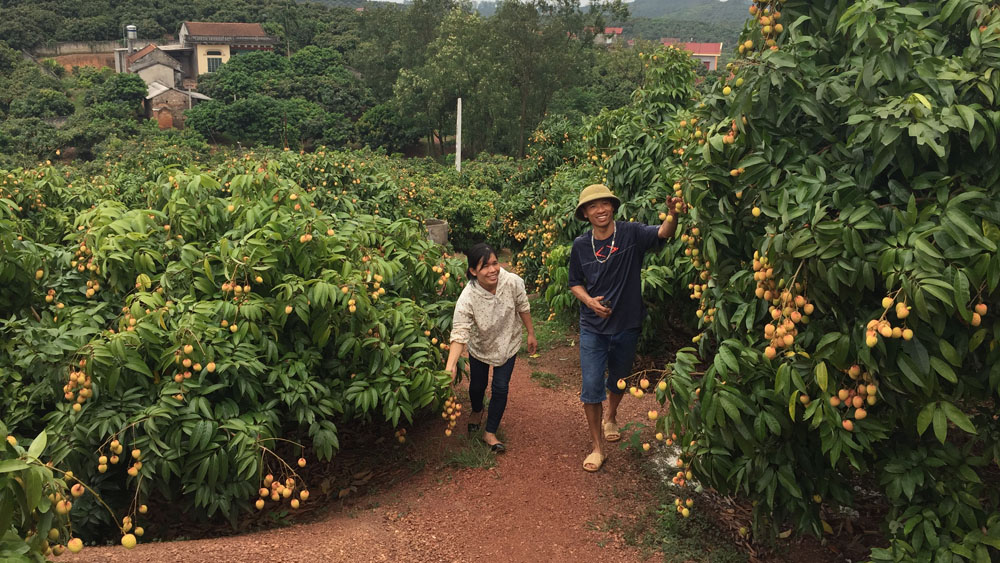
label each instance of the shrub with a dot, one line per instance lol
(844, 201)
(204, 315)
(42, 103)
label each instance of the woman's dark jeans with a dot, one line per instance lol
(478, 374)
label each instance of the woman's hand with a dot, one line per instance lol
(451, 365)
(532, 344)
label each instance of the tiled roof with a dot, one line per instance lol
(224, 29)
(607, 30)
(148, 61)
(140, 53)
(155, 88)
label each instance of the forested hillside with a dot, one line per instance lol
(29, 23)
(686, 30)
(696, 10)
(386, 77)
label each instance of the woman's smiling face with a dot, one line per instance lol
(488, 271)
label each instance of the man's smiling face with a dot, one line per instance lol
(600, 212)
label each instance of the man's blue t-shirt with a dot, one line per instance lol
(617, 279)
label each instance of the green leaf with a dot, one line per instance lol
(716, 142)
(781, 378)
(780, 59)
(968, 116)
(821, 375)
(924, 418)
(8, 465)
(958, 417)
(38, 445)
(727, 356)
(134, 362)
(943, 369)
(730, 407)
(963, 222)
(33, 479)
(906, 10)
(6, 516)
(949, 353)
(940, 423)
(909, 369)
(925, 247)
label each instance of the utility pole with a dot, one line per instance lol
(458, 138)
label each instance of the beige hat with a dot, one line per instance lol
(595, 192)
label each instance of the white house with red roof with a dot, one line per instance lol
(608, 37)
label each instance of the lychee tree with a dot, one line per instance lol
(183, 331)
(629, 149)
(845, 209)
(36, 498)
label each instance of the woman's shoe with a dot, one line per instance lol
(498, 448)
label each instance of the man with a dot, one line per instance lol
(604, 275)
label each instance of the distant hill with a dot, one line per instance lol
(341, 3)
(714, 11)
(686, 30)
(485, 8)
(734, 11)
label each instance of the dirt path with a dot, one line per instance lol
(537, 504)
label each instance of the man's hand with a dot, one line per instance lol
(675, 206)
(600, 310)
(532, 344)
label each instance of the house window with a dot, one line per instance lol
(214, 60)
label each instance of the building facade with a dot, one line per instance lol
(211, 44)
(707, 53)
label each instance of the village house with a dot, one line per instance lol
(707, 53)
(167, 104)
(171, 70)
(212, 44)
(608, 37)
(154, 65)
(201, 47)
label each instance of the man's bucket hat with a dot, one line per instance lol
(595, 192)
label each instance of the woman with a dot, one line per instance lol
(485, 322)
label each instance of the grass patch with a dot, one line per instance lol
(473, 453)
(546, 379)
(661, 528)
(550, 333)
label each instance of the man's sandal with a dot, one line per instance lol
(593, 462)
(611, 432)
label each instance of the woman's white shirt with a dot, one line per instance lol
(489, 323)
